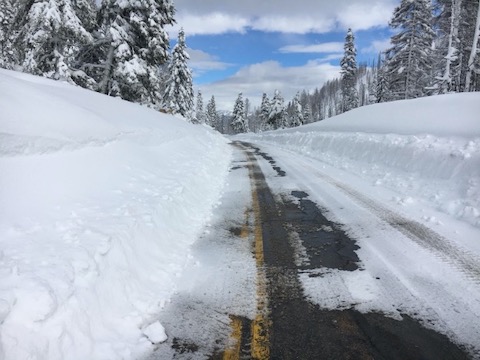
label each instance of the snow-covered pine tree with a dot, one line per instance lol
(178, 96)
(307, 109)
(212, 116)
(86, 11)
(130, 47)
(7, 17)
(409, 60)
(349, 71)
(297, 113)
(307, 113)
(239, 120)
(277, 117)
(199, 113)
(50, 37)
(380, 87)
(264, 112)
(252, 126)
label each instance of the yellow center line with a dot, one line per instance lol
(260, 328)
(261, 324)
(233, 352)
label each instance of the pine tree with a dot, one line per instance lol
(409, 60)
(199, 114)
(247, 107)
(86, 11)
(239, 120)
(212, 116)
(277, 117)
(130, 46)
(307, 113)
(380, 86)
(7, 16)
(349, 70)
(264, 112)
(179, 91)
(50, 38)
(297, 113)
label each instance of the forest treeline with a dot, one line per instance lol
(121, 48)
(434, 50)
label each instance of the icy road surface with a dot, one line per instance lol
(299, 264)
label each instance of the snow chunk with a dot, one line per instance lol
(155, 333)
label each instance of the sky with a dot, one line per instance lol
(253, 46)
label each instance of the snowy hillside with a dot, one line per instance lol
(100, 202)
(426, 152)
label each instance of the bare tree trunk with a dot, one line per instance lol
(451, 52)
(103, 86)
(473, 53)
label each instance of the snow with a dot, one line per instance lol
(381, 171)
(155, 333)
(110, 210)
(426, 150)
(101, 201)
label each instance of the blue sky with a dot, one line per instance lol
(256, 46)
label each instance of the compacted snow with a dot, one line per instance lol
(100, 202)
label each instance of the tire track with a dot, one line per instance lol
(300, 329)
(462, 260)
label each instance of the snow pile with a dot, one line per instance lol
(426, 150)
(100, 202)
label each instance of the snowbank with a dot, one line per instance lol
(426, 150)
(100, 202)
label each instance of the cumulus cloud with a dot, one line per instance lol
(363, 15)
(303, 16)
(210, 23)
(201, 61)
(377, 46)
(254, 80)
(329, 47)
(292, 24)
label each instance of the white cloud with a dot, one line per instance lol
(302, 16)
(364, 15)
(210, 23)
(331, 57)
(329, 47)
(254, 80)
(201, 61)
(377, 46)
(292, 24)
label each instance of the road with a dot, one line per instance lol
(278, 276)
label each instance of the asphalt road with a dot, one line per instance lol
(284, 323)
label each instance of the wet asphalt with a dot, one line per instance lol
(300, 329)
(294, 326)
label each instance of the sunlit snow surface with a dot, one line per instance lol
(100, 201)
(426, 150)
(408, 163)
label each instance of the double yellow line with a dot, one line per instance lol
(261, 324)
(260, 341)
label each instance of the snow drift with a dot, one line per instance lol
(100, 202)
(426, 150)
